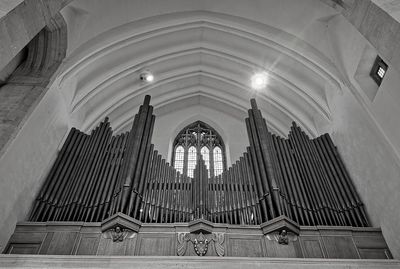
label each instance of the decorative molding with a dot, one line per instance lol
(182, 239)
(283, 237)
(122, 221)
(219, 239)
(201, 226)
(118, 234)
(201, 243)
(279, 224)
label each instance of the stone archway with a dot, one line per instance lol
(29, 81)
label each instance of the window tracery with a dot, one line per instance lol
(199, 140)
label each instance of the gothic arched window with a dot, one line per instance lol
(195, 140)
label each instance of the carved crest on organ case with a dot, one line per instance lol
(201, 243)
(283, 237)
(118, 234)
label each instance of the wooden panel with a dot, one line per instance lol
(274, 249)
(245, 246)
(157, 245)
(312, 247)
(62, 243)
(46, 243)
(131, 246)
(108, 247)
(28, 237)
(88, 244)
(160, 239)
(23, 248)
(191, 252)
(341, 247)
(370, 242)
(374, 253)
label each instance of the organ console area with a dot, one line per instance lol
(115, 195)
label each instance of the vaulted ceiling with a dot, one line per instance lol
(201, 52)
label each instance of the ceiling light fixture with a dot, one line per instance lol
(259, 81)
(146, 76)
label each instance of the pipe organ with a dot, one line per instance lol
(115, 195)
(98, 175)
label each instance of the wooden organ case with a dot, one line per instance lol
(116, 195)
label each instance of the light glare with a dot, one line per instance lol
(259, 81)
(146, 76)
(149, 78)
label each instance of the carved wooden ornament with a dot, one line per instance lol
(118, 234)
(201, 243)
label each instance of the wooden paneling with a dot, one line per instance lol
(157, 245)
(88, 244)
(25, 242)
(369, 242)
(274, 249)
(108, 247)
(376, 253)
(28, 237)
(239, 241)
(62, 243)
(24, 249)
(245, 246)
(340, 247)
(131, 246)
(312, 247)
(46, 243)
(372, 247)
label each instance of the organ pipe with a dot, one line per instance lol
(97, 175)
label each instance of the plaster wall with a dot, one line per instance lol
(87, 17)
(372, 165)
(347, 47)
(367, 131)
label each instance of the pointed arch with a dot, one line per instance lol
(198, 139)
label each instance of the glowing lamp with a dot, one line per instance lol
(259, 81)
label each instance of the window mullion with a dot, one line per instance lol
(185, 160)
(211, 160)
